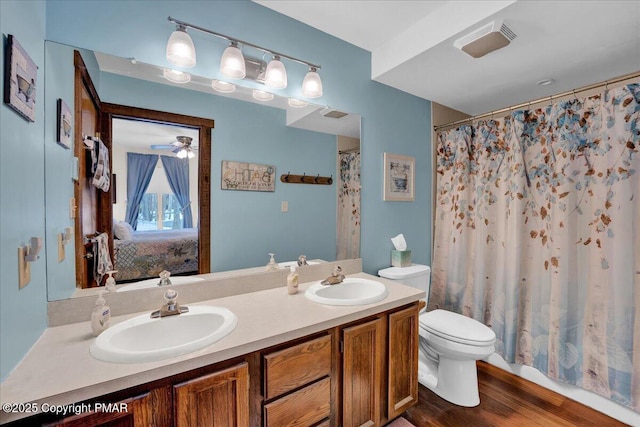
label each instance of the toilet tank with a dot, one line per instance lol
(416, 276)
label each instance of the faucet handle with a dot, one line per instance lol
(170, 296)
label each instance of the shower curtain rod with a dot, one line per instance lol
(546, 98)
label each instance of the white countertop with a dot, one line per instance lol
(60, 370)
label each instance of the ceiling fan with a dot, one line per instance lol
(182, 147)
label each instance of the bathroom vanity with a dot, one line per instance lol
(290, 361)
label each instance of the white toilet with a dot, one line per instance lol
(450, 343)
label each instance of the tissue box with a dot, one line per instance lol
(400, 258)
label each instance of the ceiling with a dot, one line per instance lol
(140, 135)
(575, 43)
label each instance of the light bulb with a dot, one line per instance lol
(232, 62)
(276, 75)
(312, 84)
(176, 76)
(261, 95)
(180, 48)
(222, 86)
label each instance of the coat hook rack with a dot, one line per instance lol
(306, 179)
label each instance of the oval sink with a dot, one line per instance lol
(352, 291)
(153, 283)
(143, 339)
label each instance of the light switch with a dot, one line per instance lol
(284, 206)
(72, 208)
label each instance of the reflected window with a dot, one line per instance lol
(159, 211)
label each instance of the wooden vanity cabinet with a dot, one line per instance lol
(363, 373)
(220, 399)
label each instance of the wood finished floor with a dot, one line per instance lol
(506, 400)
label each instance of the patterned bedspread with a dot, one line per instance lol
(150, 252)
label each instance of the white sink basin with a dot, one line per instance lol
(352, 291)
(143, 339)
(153, 283)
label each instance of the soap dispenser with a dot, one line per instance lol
(110, 284)
(292, 280)
(272, 265)
(101, 315)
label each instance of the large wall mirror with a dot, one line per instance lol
(319, 221)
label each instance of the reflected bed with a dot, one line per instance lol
(150, 252)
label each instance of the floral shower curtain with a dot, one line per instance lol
(538, 236)
(348, 241)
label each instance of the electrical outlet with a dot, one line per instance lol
(284, 206)
(72, 208)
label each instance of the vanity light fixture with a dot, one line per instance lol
(312, 85)
(296, 103)
(276, 74)
(261, 95)
(176, 76)
(180, 48)
(222, 86)
(232, 63)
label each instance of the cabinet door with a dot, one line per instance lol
(364, 354)
(220, 399)
(403, 360)
(140, 411)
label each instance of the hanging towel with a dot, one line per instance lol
(101, 161)
(102, 261)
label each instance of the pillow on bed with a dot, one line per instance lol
(123, 230)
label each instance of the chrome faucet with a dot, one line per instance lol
(335, 278)
(164, 278)
(171, 306)
(302, 260)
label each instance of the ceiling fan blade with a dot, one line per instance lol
(161, 146)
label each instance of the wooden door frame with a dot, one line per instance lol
(82, 80)
(204, 126)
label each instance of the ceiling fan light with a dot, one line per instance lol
(182, 154)
(261, 95)
(312, 84)
(190, 154)
(180, 48)
(176, 76)
(297, 103)
(222, 86)
(276, 75)
(232, 62)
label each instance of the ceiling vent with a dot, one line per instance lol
(493, 36)
(334, 114)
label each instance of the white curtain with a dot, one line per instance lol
(348, 222)
(538, 236)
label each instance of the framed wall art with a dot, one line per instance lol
(21, 74)
(247, 176)
(65, 124)
(399, 178)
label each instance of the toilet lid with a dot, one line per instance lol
(456, 327)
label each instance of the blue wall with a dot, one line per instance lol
(23, 313)
(393, 122)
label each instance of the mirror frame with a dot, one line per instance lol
(204, 126)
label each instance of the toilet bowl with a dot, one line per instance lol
(450, 344)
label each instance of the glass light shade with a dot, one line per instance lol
(190, 154)
(176, 76)
(261, 95)
(297, 103)
(180, 49)
(222, 86)
(312, 85)
(182, 154)
(232, 62)
(276, 75)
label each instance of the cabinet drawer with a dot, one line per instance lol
(305, 407)
(293, 367)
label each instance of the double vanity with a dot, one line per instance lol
(347, 357)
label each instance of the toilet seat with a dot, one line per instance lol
(457, 328)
